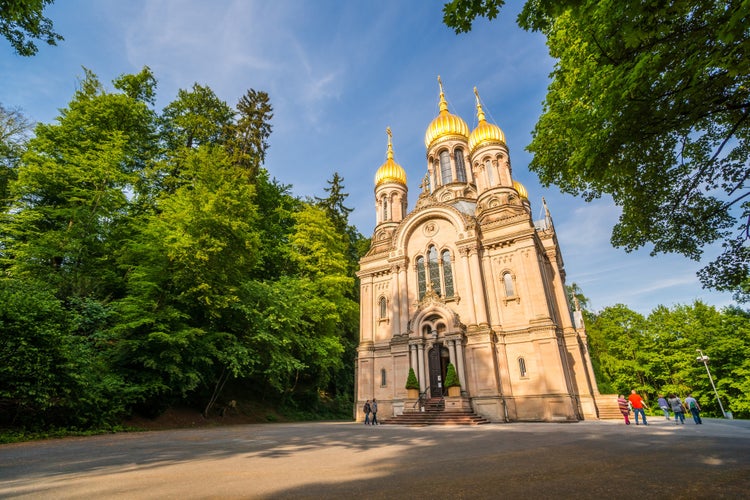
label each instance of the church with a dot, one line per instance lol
(468, 278)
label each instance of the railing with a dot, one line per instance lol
(422, 399)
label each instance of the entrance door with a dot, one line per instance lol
(438, 359)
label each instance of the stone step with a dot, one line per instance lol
(444, 417)
(608, 407)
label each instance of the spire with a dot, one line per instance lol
(389, 154)
(480, 111)
(443, 102)
(547, 215)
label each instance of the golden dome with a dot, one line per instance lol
(390, 171)
(445, 124)
(521, 190)
(485, 132)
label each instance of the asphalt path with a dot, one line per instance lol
(592, 459)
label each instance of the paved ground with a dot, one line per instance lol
(348, 460)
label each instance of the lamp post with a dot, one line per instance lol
(704, 359)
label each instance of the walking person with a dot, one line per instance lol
(677, 408)
(662, 402)
(637, 403)
(694, 408)
(366, 409)
(374, 408)
(622, 403)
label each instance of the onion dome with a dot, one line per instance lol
(446, 124)
(390, 171)
(521, 190)
(486, 132)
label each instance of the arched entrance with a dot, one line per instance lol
(438, 358)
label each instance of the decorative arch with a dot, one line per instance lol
(414, 220)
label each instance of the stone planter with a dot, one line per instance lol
(454, 392)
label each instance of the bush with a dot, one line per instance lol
(411, 380)
(451, 379)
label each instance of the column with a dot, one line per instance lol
(469, 287)
(403, 295)
(420, 361)
(480, 303)
(396, 301)
(460, 363)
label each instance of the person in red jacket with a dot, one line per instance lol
(637, 403)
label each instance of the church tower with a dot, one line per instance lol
(468, 279)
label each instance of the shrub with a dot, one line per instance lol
(451, 379)
(411, 380)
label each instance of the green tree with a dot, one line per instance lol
(648, 103)
(248, 135)
(186, 270)
(69, 205)
(22, 21)
(195, 118)
(619, 340)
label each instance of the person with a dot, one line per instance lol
(677, 408)
(624, 408)
(694, 408)
(662, 402)
(374, 408)
(637, 402)
(367, 410)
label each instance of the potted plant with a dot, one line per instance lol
(412, 385)
(451, 381)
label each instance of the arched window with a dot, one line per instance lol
(434, 268)
(490, 174)
(522, 367)
(421, 282)
(445, 167)
(510, 290)
(385, 210)
(436, 272)
(447, 273)
(458, 154)
(382, 378)
(383, 308)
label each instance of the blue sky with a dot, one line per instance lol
(338, 73)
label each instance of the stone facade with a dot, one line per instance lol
(468, 277)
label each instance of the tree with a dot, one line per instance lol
(22, 21)
(648, 103)
(13, 129)
(248, 135)
(196, 117)
(70, 202)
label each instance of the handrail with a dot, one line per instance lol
(422, 398)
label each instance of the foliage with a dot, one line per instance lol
(657, 354)
(150, 261)
(460, 14)
(411, 380)
(648, 103)
(22, 21)
(451, 378)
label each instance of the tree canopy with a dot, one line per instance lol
(656, 354)
(648, 103)
(147, 259)
(23, 21)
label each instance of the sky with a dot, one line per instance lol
(338, 73)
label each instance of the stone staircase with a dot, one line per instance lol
(608, 408)
(435, 413)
